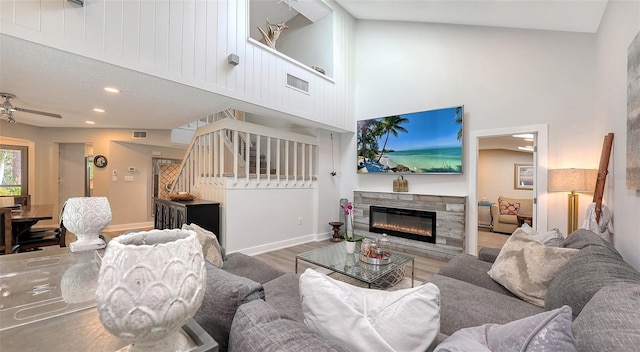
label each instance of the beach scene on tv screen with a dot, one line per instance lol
(419, 142)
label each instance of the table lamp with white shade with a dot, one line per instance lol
(572, 180)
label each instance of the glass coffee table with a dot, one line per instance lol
(335, 258)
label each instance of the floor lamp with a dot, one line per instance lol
(572, 180)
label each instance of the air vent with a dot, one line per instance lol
(297, 83)
(139, 135)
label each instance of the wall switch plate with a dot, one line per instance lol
(128, 179)
(114, 178)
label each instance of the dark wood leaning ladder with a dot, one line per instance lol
(602, 174)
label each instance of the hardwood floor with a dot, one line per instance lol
(491, 239)
(284, 259)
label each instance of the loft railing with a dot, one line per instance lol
(240, 154)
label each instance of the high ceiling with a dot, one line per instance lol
(55, 81)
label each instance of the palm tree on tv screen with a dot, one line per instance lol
(391, 125)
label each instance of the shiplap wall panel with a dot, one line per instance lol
(94, 33)
(175, 36)
(131, 28)
(74, 30)
(221, 30)
(200, 41)
(161, 36)
(51, 19)
(147, 32)
(113, 27)
(188, 38)
(212, 43)
(23, 11)
(192, 39)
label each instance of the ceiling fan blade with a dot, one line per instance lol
(39, 112)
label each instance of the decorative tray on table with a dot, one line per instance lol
(181, 196)
(386, 259)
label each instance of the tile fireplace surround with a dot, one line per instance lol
(450, 219)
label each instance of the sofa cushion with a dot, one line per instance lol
(508, 219)
(364, 319)
(469, 269)
(283, 294)
(582, 238)
(258, 327)
(547, 331)
(209, 242)
(252, 268)
(593, 268)
(464, 305)
(610, 321)
(526, 267)
(225, 292)
(526, 204)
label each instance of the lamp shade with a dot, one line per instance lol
(567, 180)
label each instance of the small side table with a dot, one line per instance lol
(336, 231)
(522, 219)
(485, 219)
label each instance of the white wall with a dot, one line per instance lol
(495, 174)
(619, 26)
(503, 77)
(130, 201)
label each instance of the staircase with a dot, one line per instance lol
(233, 153)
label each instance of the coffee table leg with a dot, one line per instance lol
(413, 269)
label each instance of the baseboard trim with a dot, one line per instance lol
(252, 251)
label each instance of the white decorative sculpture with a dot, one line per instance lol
(86, 217)
(273, 33)
(150, 284)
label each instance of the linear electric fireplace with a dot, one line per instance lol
(416, 225)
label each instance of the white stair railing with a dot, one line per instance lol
(241, 154)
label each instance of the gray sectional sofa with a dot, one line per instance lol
(250, 306)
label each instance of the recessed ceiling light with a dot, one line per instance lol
(90, 122)
(112, 90)
(98, 110)
(523, 135)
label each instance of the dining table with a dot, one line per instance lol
(24, 217)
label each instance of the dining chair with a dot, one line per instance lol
(40, 237)
(5, 230)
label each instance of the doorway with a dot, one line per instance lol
(539, 163)
(75, 168)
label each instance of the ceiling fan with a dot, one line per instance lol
(7, 109)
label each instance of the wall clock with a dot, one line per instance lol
(100, 161)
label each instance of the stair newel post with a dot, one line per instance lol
(247, 157)
(268, 161)
(295, 163)
(221, 154)
(257, 159)
(304, 159)
(235, 158)
(286, 162)
(278, 161)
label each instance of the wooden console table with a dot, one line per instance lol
(173, 214)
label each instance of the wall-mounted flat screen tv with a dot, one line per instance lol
(425, 142)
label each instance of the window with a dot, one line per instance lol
(14, 170)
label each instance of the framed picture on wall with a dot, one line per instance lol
(523, 176)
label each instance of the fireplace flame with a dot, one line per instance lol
(400, 228)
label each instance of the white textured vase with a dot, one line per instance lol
(150, 284)
(86, 217)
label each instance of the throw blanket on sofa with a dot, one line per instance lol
(604, 228)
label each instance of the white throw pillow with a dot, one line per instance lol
(209, 242)
(551, 238)
(371, 320)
